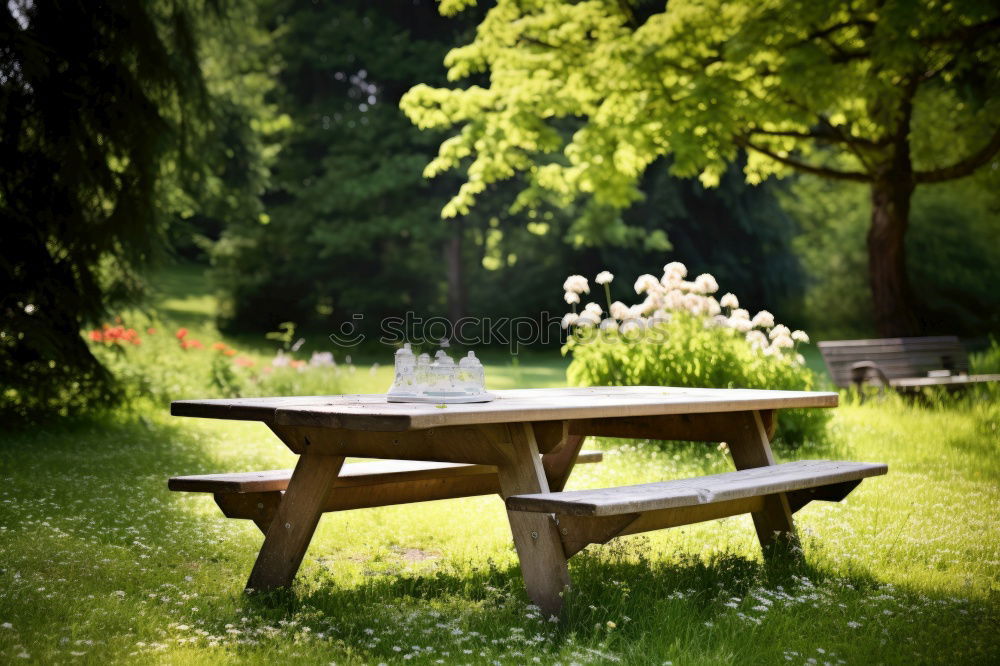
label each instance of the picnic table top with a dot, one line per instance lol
(372, 412)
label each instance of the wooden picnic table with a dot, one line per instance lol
(524, 446)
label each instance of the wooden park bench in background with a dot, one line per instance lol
(905, 364)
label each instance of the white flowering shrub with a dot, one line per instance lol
(680, 334)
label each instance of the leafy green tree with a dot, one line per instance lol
(106, 129)
(952, 253)
(351, 226)
(892, 93)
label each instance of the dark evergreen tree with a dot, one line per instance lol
(104, 123)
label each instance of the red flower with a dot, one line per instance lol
(196, 345)
(245, 362)
(150, 331)
(181, 332)
(219, 346)
(96, 336)
(229, 352)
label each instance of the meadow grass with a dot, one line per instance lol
(100, 563)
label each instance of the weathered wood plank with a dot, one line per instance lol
(579, 531)
(485, 444)
(351, 476)
(536, 537)
(696, 491)
(952, 380)
(373, 413)
(903, 360)
(707, 427)
(294, 522)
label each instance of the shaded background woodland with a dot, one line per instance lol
(264, 141)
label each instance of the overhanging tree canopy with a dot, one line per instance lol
(894, 94)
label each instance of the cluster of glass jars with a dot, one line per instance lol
(441, 380)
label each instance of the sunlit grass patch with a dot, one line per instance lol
(99, 562)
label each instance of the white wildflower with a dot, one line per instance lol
(740, 324)
(641, 310)
(569, 319)
(783, 342)
(619, 311)
(587, 319)
(800, 336)
(712, 306)
(609, 325)
(594, 309)
(729, 301)
(781, 330)
(631, 325)
(757, 339)
(675, 270)
(800, 359)
(320, 359)
(740, 313)
(604, 277)
(695, 304)
(763, 319)
(577, 284)
(571, 297)
(706, 284)
(674, 299)
(646, 283)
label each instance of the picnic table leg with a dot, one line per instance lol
(294, 522)
(750, 446)
(536, 536)
(559, 464)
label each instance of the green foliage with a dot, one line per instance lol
(700, 82)
(108, 126)
(165, 367)
(684, 352)
(953, 256)
(285, 335)
(347, 207)
(584, 96)
(96, 549)
(986, 362)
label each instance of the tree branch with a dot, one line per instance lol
(965, 33)
(825, 172)
(626, 10)
(962, 167)
(832, 135)
(826, 32)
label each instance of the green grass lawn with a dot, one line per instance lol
(100, 563)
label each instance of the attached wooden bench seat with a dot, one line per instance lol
(255, 495)
(596, 516)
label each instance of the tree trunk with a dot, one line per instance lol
(890, 285)
(453, 268)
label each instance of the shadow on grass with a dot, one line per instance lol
(633, 605)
